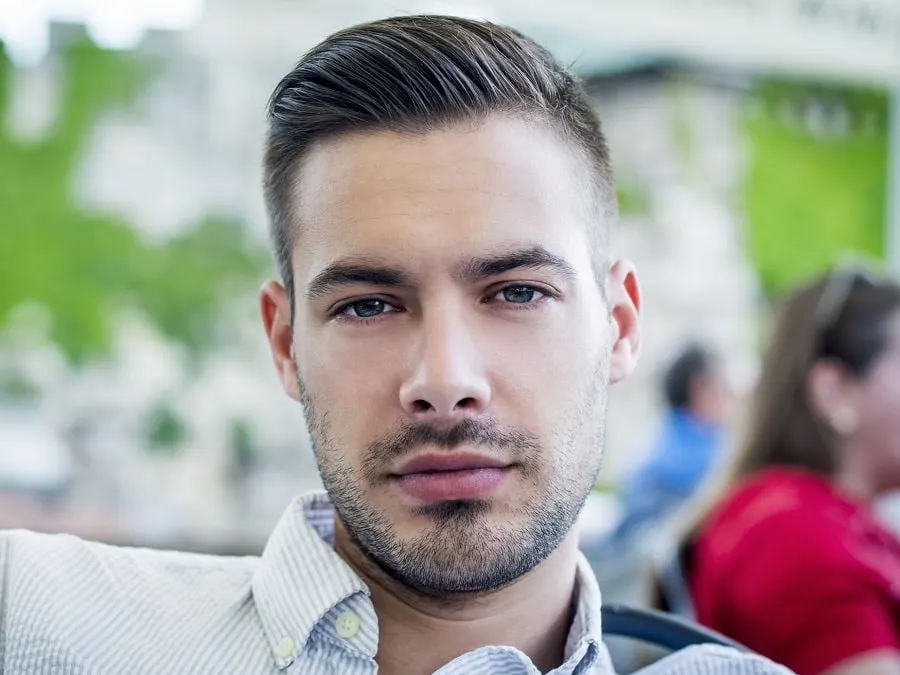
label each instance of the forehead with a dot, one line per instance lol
(456, 190)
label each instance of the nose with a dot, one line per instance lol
(448, 382)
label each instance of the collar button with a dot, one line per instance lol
(347, 624)
(286, 648)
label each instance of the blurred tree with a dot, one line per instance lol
(16, 388)
(816, 178)
(166, 431)
(82, 266)
(633, 198)
(243, 451)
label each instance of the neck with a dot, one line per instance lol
(854, 478)
(419, 634)
(855, 486)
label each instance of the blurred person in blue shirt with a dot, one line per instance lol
(698, 399)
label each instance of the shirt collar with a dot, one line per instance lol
(300, 578)
(584, 644)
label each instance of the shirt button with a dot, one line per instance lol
(347, 624)
(286, 648)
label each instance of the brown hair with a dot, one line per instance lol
(783, 428)
(414, 74)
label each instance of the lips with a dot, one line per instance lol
(444, 461)
(440, 477)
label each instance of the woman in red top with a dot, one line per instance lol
(790, 560)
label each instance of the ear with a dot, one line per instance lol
(624, 297)
(832, 396)
(275, 308)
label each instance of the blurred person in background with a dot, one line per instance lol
(699, 400)
(450, 320)
(790, 559)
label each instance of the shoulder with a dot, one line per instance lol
(75, 606)
(794, 510)
(757, 558)
(60, 556)
(764, 543)
(714, 660)
(773, 491)
(79, 577)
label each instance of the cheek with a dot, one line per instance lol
(540, 377)
(355, 382)
(880, 421)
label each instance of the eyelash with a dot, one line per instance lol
(545, 294)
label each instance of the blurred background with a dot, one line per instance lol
(754, 140)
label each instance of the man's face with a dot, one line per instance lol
(451, 345)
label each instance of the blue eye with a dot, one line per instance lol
(523, 295)
(365, 309)
(519, 295)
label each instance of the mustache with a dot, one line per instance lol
(482, 433)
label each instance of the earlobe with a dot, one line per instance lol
(275, 310)
(625, 311)
(830, 395)
(844, 421)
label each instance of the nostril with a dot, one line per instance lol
(421, 405)
(465, 403)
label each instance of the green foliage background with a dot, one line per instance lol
(807, 197)
(83, 266)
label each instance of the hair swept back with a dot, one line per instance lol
(413, 74)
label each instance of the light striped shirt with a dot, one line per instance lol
(71, 607)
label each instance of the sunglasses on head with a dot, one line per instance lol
(836, 291)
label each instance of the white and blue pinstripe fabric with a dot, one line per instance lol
(70, 607)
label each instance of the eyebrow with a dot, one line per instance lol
(533, 258)
(356, 271)
(351, 271)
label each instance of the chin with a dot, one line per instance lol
(455, 510)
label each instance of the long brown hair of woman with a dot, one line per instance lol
(841, 316)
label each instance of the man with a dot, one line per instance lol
(440, 197)
(698, 399)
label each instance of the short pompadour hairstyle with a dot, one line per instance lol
(415, 74)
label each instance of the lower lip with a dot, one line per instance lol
(441, 486)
